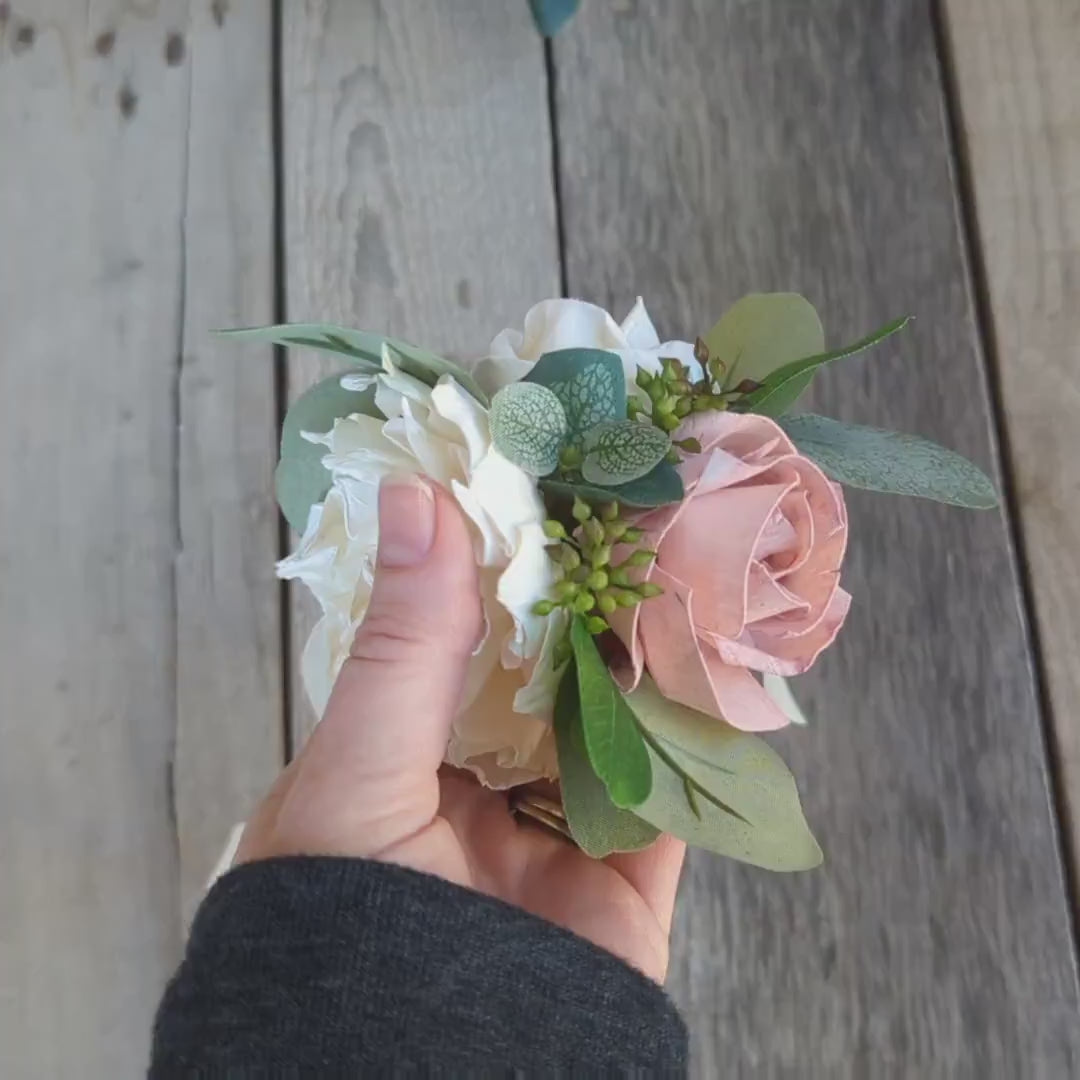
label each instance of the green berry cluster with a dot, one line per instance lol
(591, 585)
(673, 396)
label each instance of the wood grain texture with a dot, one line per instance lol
(91, 200)
(418, 180)
(712, 148)
(230, 721)
(1018, 89)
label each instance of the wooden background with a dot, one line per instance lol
(431, 169)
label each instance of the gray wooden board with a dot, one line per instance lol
(418, 193)
(91, 197)
(716, 147)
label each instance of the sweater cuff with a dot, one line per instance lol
(318, 961)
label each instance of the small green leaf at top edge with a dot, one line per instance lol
(597, 825)
(300, 479)
(745, 804)
(785, 385)
(619, 451)
(890, 462)
(661, 486)
(613, 742)
(761, 332)
(551, 15)
(528, 426)
(589, 383)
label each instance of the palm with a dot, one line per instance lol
(623, 904)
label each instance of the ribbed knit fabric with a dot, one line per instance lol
(314, 966)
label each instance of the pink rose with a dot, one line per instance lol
(749, 563)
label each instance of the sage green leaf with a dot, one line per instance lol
(762, 332)
(597, 825)
(618, 451)
(364, 348)
(613, 742)
(784, 386)
(660, 486)
(779, 689)
(300, 479)
(552, 15)
(744, 803)
(589, 383)
(889, 461)
(528, 426)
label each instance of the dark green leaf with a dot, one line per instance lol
(784, 386)
(618, 451)
(300, 479)
(614, 743)
(589, 383)
(528, 426)
(657, 488)
(890, 461)
(552, 15)
(598, 826)
(744, 803)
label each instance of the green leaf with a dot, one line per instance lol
(597, 825)
(612, 739)
(364, 348)
(783, 387)
(659, 487)
(762, 332)
(589, 383)
(528, 426)
(300, 478)
(745, 804)
(618, 451)
(779, 689)
(889, 461)
(552, 15)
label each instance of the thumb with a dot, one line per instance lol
(370, 766)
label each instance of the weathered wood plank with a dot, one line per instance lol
(230, 721)
(1019, 103)
(711, 147)
(417, 177)
(92, 121)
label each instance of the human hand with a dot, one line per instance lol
(368, 782)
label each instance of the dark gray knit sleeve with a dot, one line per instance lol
(348, 967)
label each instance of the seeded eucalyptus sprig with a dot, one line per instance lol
(592, 586)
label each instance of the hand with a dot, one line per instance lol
(368, 783)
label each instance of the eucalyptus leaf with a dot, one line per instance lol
(744, 804)
(784, 386)
(429, 368)
(890, 461)
(589, 382)
(552, 15)
(528, 426)
(762, 332)
(300, 478)
(779, 689)
(618, 451)
(597, 825)
(660, 486)
(613, 742)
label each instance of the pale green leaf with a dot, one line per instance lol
(528, 426)
(779, 689)
(614, 743)
(597, 825)
(660, 486)
(745, 803)
(762, 332)
(618, 451)
(589, 383)
(891, 462)
(552, 15)
(300, 479)
(784, 386)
